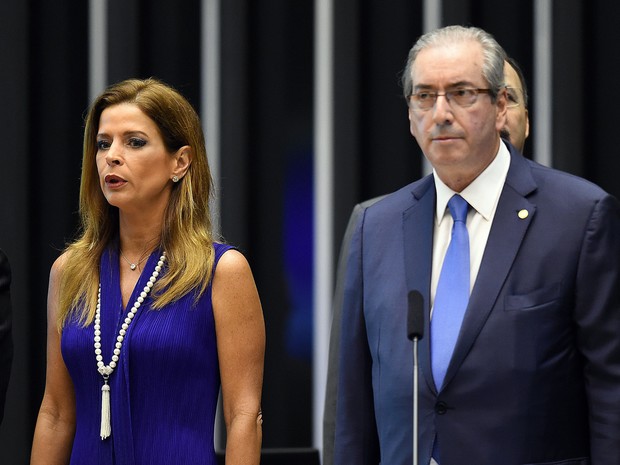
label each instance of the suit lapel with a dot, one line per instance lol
(418, 221)
(507, 232)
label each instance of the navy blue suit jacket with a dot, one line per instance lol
(535, 376)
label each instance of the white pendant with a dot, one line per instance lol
(106, 425)
(132, 266)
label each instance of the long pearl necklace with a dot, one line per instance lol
(107, 370)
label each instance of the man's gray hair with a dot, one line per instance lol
(494, 55)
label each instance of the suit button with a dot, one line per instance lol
(441, 408)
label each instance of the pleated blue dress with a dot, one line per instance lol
(164, 390)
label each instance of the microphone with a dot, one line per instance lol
(415, 332)
(415, 316)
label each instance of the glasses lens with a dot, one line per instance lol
(460, 97)
(424, 100)
(463, 97)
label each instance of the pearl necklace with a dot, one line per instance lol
(107, 370)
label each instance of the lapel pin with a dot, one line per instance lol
(523, 214)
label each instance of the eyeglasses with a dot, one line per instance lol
(463, 97)
(513, 97)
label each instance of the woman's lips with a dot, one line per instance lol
(113, 181)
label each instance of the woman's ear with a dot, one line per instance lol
(182, 158)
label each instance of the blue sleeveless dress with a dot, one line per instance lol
(164, 390)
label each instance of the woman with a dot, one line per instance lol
(147, 313)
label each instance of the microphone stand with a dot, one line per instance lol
(415, 400)
(415, 332)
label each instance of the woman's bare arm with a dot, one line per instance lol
(240, 331)
(55, 428)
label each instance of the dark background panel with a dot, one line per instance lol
(390, 157)
(600, 119)
(569, 72)
(57, 100)
(156, 38)
(15, 222)
(279, 160)
(44, 79)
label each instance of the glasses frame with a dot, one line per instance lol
(449, 96)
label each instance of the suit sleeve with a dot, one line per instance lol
(331, 390)
(6, 340)
(597, 315)
(356, 438)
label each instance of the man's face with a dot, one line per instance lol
(458, 141)
(517, 126)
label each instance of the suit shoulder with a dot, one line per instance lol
(566, 184)
(399, 200)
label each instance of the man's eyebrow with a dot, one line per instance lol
(461, 84)
(449, 86)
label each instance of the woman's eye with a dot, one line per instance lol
(103, 145)
(136, 143)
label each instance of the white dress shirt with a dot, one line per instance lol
(483, 196)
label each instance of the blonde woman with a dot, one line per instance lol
(147, 314)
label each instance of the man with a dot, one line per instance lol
(532, 372)
(515, 130)
(517, 126)
(6, 341)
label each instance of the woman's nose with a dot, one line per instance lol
(114, 155)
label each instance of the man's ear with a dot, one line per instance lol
(527, 124)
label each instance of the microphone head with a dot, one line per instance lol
(415, 315)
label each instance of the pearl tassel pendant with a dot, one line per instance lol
(106, 426)
(107, 370)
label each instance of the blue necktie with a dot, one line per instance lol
(451, 297)
(452, 292)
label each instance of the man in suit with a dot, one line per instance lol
(516, 131)
(6, 340)
(533, 375)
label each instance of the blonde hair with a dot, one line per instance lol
(186, 233)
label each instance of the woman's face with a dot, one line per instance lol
(135, 169)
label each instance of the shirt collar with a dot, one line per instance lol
(484, 191)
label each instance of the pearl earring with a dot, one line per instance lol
(175, 178)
